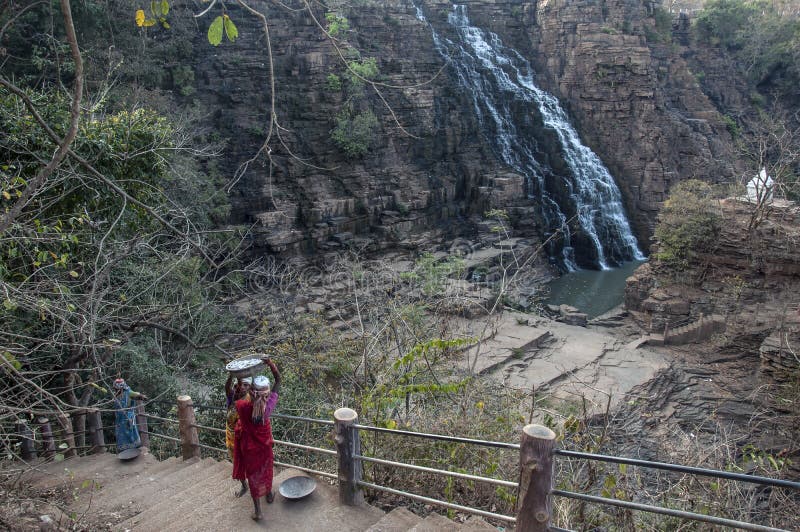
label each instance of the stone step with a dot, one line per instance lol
(113, 490)
(476, 524)
(48, 474)
(207, 504)
(142, 485)
(171, 507)
(398, 520)
(179, 481)
(435, 523)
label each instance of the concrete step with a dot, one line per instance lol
(179, 481)
(112, 490)
(142, 485)
(207, 504)
(435, 523)
(46, 474)
(476, 524)
(398, 520)
(148, 476)
(172, 507)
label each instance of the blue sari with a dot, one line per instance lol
(127, 433)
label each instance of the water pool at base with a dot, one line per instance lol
(592, 291)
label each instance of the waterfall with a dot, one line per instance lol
(583, 203)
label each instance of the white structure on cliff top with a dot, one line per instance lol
(759, 189)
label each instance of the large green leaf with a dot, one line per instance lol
(215, 31)
(164, 7)
(230, 29)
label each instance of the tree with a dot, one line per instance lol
(100, 262)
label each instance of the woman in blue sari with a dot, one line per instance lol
(125, 421)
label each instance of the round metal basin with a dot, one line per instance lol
(244, 367)
(129, 454)
(297, 487)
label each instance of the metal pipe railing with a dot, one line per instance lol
(682, 469)
(444, 472)
(437, 502)
(665, 511)
(441, 437)
(307, 447)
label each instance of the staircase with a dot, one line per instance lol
(198, 495)
(695, 331)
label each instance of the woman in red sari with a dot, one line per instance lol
(253, 443)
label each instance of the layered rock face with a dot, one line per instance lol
(634, 98)
(752, 278)
(428, 163)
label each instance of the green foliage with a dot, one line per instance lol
(362, 69)
(662, 27)
(732, 126)
(354, 132)
(763, 38)
(430, 273)
(337, 24)
(688, 224)
(183, 79)
(333, 83)
(721, 22)
(81, 252)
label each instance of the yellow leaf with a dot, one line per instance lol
(149, 22)
(6, 195)
(73, 273)
(140, 17)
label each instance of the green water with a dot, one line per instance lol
(592, 291)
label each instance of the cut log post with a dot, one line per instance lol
(141, 424)
(48, 442)
(66, 430)
(348, 448)
(98, 440)
(79, 428)
(190, 441)
(536, 479)
(27, 444)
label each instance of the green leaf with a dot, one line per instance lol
(215, 31)
(230, 29)
(86, 484)
(155, 8)
(165, 24)
(9, 305)
(164, 7)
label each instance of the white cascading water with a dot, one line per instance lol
(498, 78)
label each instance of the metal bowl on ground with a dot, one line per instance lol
(129, 454)
(297, 487)
(245, 366)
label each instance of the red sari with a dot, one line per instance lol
(252, 451)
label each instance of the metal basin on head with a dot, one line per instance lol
(297, 487)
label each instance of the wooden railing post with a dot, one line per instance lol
(141, 424)
(69, 437)
(536, 479)
(348, 446)
(27, 445)
(96, 431)
(46, 431)
(190, 441)
(79, 428)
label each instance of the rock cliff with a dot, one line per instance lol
(633, 96)
(630, 94)
(752, 277)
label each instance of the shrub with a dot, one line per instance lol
(688, 224)
(354, 133)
